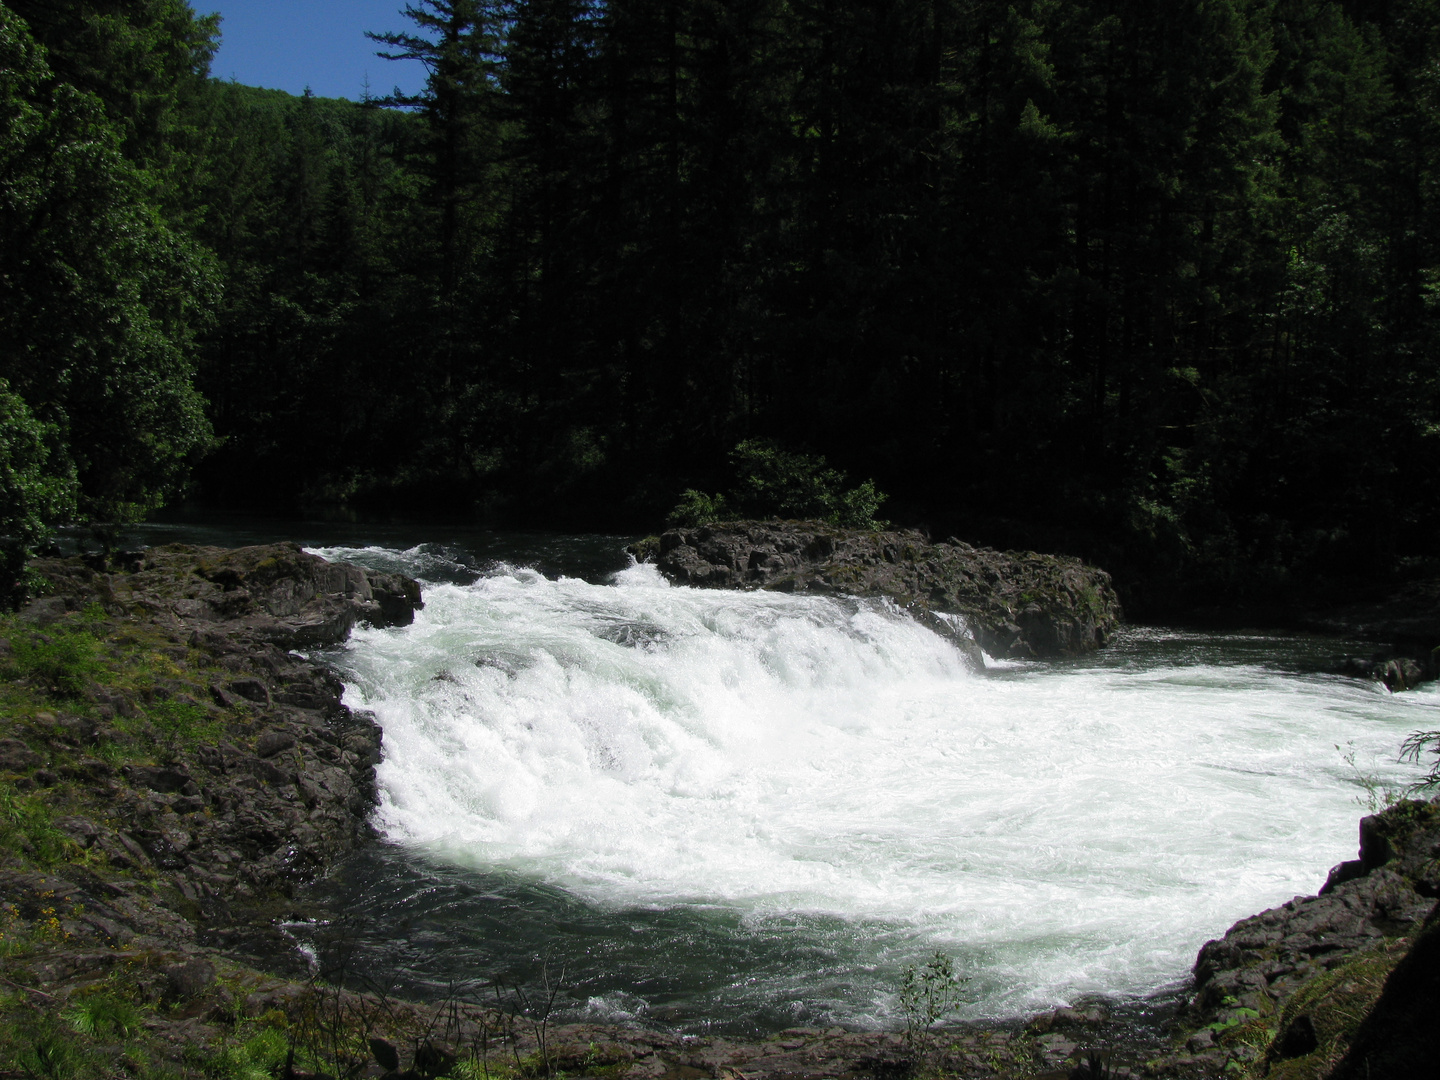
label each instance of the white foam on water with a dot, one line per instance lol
(1072, 828)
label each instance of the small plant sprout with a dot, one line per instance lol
(1378, 795)
(928, 994)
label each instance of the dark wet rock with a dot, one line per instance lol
(1404, 673)
(15, 756)
(77, 730)
(385, 1054)
(275, 593)
(45, 610)
(264, 770)
(272, 742)
(226, 829)
(251, 690)
(223, 697)
(1383, 895)
(155, 779)
(81, 830)
(1016, 604)
(1297, 1040)
(189, 979)
(432, 1060)
(1407, 625)
(123, 850)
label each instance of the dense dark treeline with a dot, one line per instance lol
(1156, 283)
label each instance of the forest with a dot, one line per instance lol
(1156, 285)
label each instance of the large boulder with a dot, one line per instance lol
(1016, 604)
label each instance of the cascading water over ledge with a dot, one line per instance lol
(756, 808)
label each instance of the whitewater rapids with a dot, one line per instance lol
(831, 774)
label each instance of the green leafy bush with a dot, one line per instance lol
(37, 485)
(772, 482)
(696, 508)
(37, 482)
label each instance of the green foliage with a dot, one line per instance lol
(37, 482)
(51, 1053)
(183, 722)
(1336, 1001)
(1379, 796)
(1414, 748)
(146, 61)
(696, 508)
(86, 236)
(772, 482)
(1162, 279)
(1234, 1018)
(25, 825)
(259, 1057)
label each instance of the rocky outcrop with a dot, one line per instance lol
(1271, 972)
(276, 593)
(1016, 604)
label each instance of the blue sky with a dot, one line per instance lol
(291, 44)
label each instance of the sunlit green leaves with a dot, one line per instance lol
(99, 296)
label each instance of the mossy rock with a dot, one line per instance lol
(1400, 1036)
(645, 550)
(1319, 1023)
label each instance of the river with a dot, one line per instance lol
(747, 811)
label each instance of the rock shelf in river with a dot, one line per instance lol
(1016, 604)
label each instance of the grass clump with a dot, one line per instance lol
(183, 722)
(259, 1057)
(25, 826)
(47, 1050)
(104, 1015)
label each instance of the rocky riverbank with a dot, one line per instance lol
(170, 768)
(1014, 604)
(173, 769)
(1285, 991)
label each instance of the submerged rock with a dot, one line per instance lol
(1016, 604)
